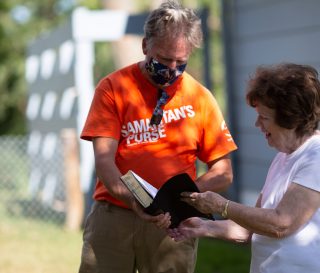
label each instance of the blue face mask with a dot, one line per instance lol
(162, 74)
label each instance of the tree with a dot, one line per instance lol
(20, 22)
(11, 70)
(23, 20)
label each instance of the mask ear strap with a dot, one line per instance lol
(163, 96)
(159, 93)
(158, 110)
(149, 65)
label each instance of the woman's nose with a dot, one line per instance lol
(257, 123)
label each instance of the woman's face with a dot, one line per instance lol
(282, 139)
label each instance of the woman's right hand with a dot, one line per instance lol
(207, 202)
(193, 227)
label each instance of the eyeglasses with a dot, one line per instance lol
(158, 111)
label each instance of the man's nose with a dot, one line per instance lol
(172, 64)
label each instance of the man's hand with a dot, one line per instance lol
(162, 220)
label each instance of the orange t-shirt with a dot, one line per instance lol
(192, 127)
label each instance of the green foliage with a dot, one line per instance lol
(10, 68)
(14, 36)
(195, 66)
(21, 21)
(104, 62)
(90, 4)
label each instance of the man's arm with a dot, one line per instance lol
(105, 151)
(107, 171)
(218, 177)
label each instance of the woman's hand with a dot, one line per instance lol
(207, 202)
(190, 228)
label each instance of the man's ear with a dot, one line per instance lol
(144, 46)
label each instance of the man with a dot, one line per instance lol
(155, 119)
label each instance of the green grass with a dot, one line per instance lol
(36, 247)
(33, 246)
(31, 243)
(216, 256)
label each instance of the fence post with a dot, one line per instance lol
(74, 195)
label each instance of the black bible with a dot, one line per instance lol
(167, 198)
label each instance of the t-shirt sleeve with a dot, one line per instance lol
(216, 137)
(308, 173)
(102, 119)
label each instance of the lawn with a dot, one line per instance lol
(33, 246)
(36, 247)
(216, 256)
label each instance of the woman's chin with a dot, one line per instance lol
(270, 143)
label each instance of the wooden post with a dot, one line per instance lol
(128, 49)
(74, 195)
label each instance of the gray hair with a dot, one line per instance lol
(171, 20)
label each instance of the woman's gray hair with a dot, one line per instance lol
(171, 20)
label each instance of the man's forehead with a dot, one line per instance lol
(172, 49)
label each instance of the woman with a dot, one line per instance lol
(285, 224)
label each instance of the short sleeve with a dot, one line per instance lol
(308, 173)
(216, 138)
(102, 119)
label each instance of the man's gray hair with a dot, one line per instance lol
(171, 20)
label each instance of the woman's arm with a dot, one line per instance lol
(295, 209)
(196, 227)
(225, 229)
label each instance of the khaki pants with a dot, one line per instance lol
(115, 240)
